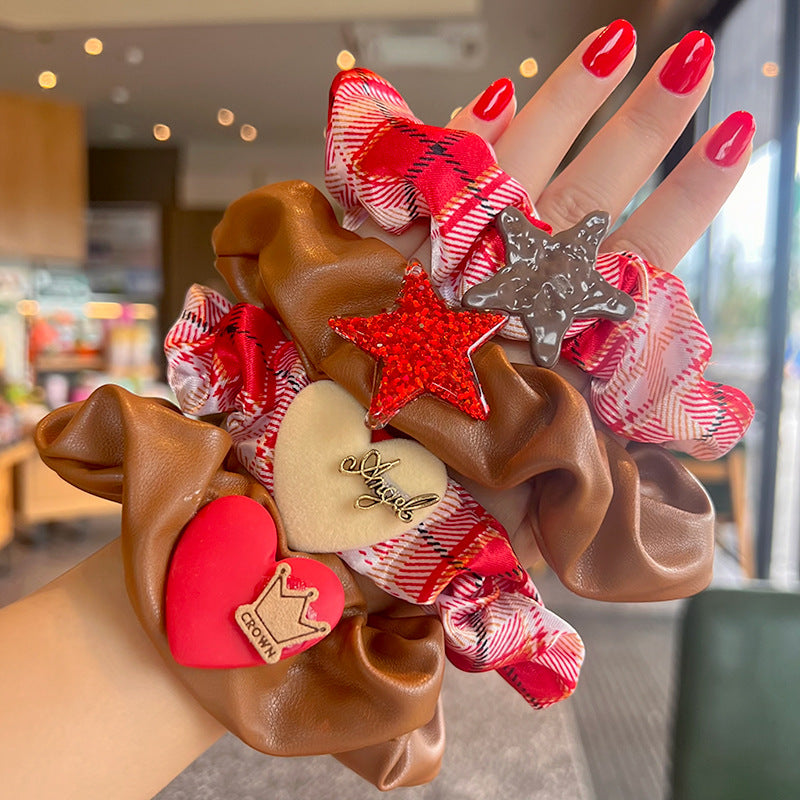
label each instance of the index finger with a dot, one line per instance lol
(546, 127)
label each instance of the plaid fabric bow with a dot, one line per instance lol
(457, 564)
(647, 373)
(381, 161)
(234, 360)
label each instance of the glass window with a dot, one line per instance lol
(730, 272)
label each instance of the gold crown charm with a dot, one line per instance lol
(278, 618)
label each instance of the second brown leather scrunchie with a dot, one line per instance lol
(614, 524)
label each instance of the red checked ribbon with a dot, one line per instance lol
(457, 563)
(647, 373)
(234, 360)
(381, 161)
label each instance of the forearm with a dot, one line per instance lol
(88, 707)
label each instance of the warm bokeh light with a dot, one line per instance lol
(93, 46)
(28, 308)
(225, 116)
(99, 310)
(345, 60)
(248, 133)
(144, 311)
(455, 112)
(161, 132)
(47, 79)
(770, 69)
(529, 68)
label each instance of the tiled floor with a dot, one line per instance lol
(47, 551)
(497, 748)
(612, 735)
(625, 696)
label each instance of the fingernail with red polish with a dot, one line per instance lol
(607, 51)
(688, 63)
(730, 140)
(492, 102)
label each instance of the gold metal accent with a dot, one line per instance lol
(372, 469)
(278, 618)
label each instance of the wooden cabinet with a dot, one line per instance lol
(43, 496)
(31, 493)
(43, 180)
(10, 457)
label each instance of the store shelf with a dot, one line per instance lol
(10, 457)
(43, 496)
(69, 362)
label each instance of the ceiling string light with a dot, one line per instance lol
(93, 46)
(529, 68)
(345, 60)
(47, 79)
(248, 133)
(161, 132)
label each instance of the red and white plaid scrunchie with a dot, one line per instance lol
(647, 373)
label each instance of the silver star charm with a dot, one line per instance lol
(550, 280)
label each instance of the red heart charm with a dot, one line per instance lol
(224, 562)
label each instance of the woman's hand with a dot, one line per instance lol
(620, 158)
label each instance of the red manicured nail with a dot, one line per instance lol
(492, 102)
(607, 51)
(688, 63)
(729, 141)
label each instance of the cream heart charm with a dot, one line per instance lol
(338, 490)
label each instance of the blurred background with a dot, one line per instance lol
(127, 128)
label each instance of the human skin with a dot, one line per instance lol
(89, 709)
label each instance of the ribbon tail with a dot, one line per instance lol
(492, 624)
(553, 676)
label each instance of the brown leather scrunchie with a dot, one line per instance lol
(367, 692)
(614, 523)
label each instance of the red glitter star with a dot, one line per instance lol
(421, 346)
